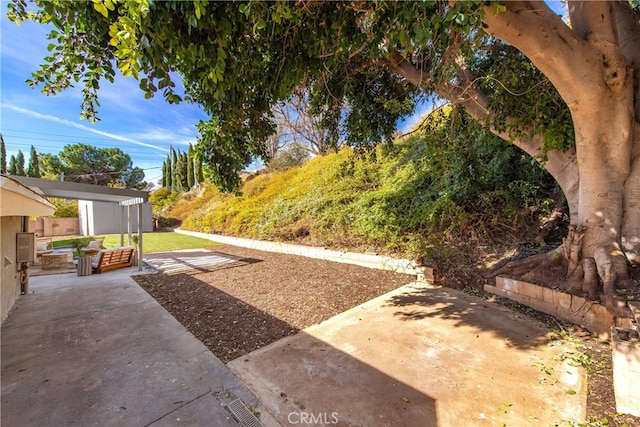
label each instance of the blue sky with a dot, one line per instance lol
(144, 129)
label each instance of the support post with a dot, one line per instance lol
(139, 237)
(121, 226)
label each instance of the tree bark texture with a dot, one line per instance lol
(589, 66)
(595, 66)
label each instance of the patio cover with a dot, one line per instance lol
(78, 191)
(98, 193)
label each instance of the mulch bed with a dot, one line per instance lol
(237, 308)
(240, 307)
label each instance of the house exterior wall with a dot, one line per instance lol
(98, 218)
(10, 283)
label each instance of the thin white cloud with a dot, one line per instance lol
(26, 43)
(81, 127)
(163, 135)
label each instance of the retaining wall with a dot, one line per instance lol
(364, 260)
(580, 311)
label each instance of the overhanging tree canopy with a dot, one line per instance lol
(567, 94)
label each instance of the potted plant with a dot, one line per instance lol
(134, 260)
(84, 260)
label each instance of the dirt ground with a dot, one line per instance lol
(237, 308)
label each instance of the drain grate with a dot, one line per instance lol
(243, 414)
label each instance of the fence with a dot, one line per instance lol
(47, 227)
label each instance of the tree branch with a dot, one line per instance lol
(547, 36)
(627, 23)
(561, 165)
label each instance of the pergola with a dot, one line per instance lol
(126, 198)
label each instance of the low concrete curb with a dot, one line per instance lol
(365, 260)
(572, 308)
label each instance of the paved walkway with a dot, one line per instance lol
(419, 356)
(98, 350)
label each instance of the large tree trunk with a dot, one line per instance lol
(593, 65)
(595, 78)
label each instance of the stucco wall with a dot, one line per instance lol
(10, 283)
(47, 227)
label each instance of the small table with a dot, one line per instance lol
(54, 260)
(90, 252)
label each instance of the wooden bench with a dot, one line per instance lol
(110, 259)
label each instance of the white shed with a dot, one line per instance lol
(98, 218)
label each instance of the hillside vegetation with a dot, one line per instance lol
(465, 202)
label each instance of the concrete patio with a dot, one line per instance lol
(98, 350)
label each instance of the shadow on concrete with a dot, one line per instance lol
(466, 310)
(195, 261)
(302, 380)
(98, 350)
(375, 366)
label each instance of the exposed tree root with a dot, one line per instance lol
(584, 275)
(610, 272)
(522, 266)
(571, 249)
(590, 284)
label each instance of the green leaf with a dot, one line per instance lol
(461, 19)
(101, 8)
(260, 24)
(571, 392)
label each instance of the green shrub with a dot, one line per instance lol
(162, 197)
(65, 208)
(411, 197)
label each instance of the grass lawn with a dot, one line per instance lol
(152, 242)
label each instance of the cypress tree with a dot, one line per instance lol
(169, 177)
(3, 155)
(20, 164)
(34, 164)
(178, 177)
(199, 173)
(13, 168)
(164, 174)
(174, 172)
(185, 171)
(190, 171)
